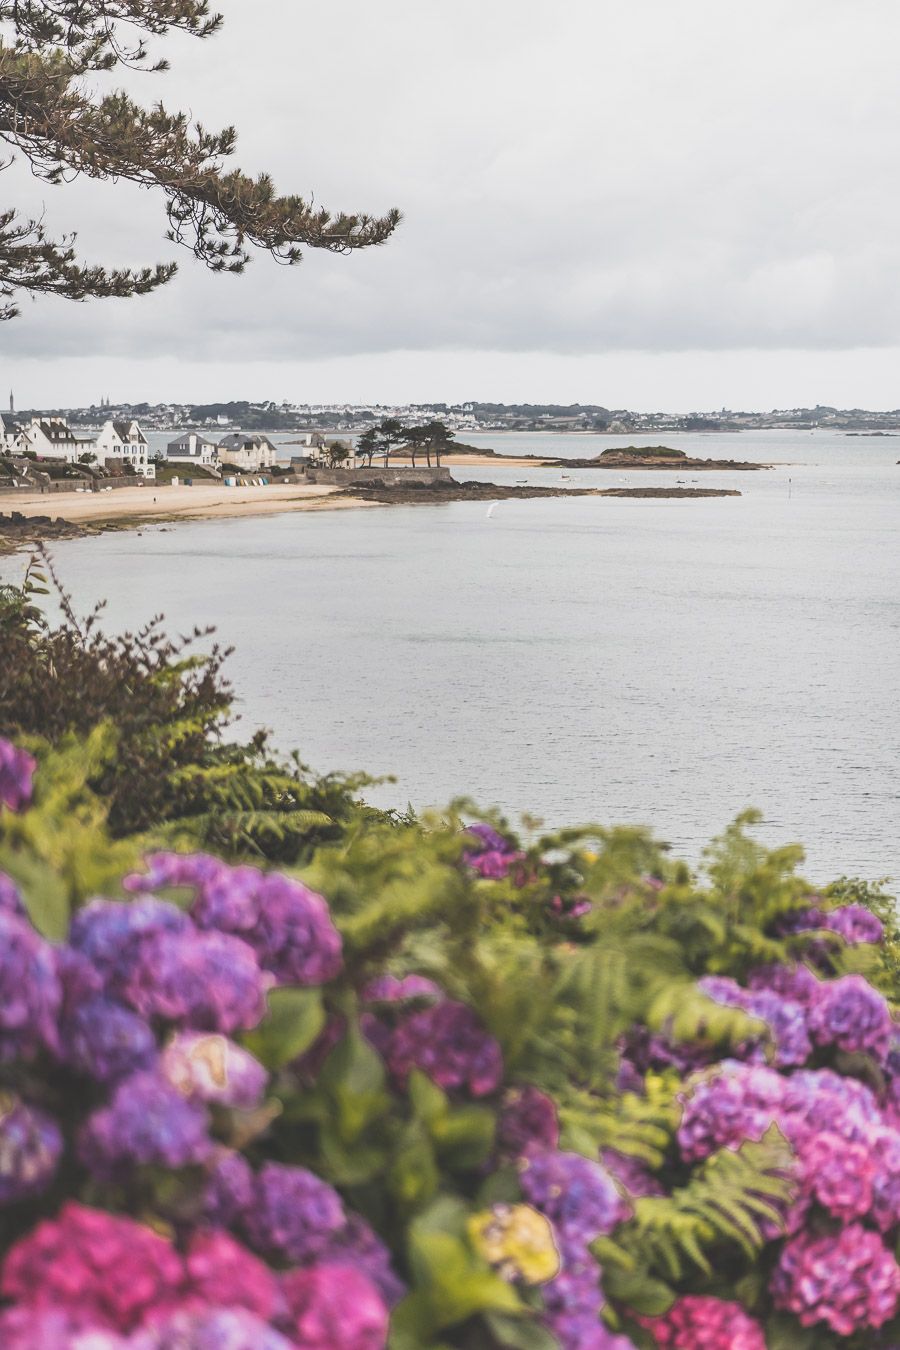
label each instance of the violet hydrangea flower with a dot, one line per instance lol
(359, 1246)
(392, 989)
(16, 773)
(295, 1215)
(207, 981)
(208, 1067)
(229, 1191)
(848, 1280)
(30, 1148)
(850, 1015)
(838, 1174)
(335, 1307)
(448, 1043)
(146, 1122)
(855, 924)
(53, 1329)
(106, 1041)
(576, 1194)
(492, 856)
(527, 1121)
(104, 1270)
(109, 933)
(10, 899)
(30, 993)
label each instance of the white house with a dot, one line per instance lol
(126, 443)
(192, 448)
(248, 452)
(10, 435)
(53, 438)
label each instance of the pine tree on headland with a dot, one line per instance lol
(51, 114)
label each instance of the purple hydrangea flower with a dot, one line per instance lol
(106, 1041)
(796, 983)
(838, 1174)
(358, 1246)
(391, 989)
(576, 1194)
(737, 1103)
(30, 993)
(10, 899)
(146, 1122)
(229, 1192)
(848, 1280)
(210, 1329)
(16, 772)
(287, 925)
(855, 924)
(573, 1302)
(883, 1151)
(850, 1015)
(110, 934)
(785, 1018)
(449, 1044)
(208, 981)
(631, 1173)
(492, 856)
(527, 1121)
(30, 1147)
(294, 1215)
(208, 1067)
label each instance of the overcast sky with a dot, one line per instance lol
(629, 202)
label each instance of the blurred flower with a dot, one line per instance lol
(145, 1122)
(852, 1016)
(699, 1323)
(224, 1274)
(855, 924)
(518, 1241)
(578, 1195)
(30, 1147)
(52, 1329)
(208, 1067)
(391, 989)
(838, 1174)
(358, 1246)
(10, 899)
(848, 1280)
(107, 1271)
(208, 981)
(106, 1041)
(294, 1214)
(16, 772)
(334, 1307)
(109, 934)
(30, 993)
(633, 1174)
(210, 1329)
(527, 1120)
(448, 1043)
(229, 1191)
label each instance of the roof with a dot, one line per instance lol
(237, 440)
(184, 440)
(123, 431)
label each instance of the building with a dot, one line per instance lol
(249, 453)
(124, 443)
(192, 448)
(10, 434)
(52, 438)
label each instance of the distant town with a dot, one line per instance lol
(459, 417)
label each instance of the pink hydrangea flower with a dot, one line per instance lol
(223, 1274)
(52, 1329)
(698, 1323)
(837, 1174)
(100, 1268)
(848, 1280)
(335, 1307)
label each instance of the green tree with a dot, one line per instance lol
(368, 444)
(337, 453)
(416, 440)
(439, 438)
(52, 113)
(391, 433)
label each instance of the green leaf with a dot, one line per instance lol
(464, 1137)
(458, 1284)
(638, 1291)
(294, 1020)
(413, 1177)
(518, 1333)
(428, 1102)
(786, 1333)
(353, 1077)
(44, 894)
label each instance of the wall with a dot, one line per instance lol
(389, 477)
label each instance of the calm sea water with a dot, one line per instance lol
(660, 662)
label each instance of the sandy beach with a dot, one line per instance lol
(177, 503)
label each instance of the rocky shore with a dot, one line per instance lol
(421, 494)
(626, 459)
(17, 530)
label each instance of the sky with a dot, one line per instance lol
(633, 203)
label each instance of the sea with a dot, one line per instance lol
(665, 663)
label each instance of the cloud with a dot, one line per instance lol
(577, 179)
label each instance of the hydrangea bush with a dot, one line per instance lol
(438, 1088)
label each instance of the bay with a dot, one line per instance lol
(645, 661)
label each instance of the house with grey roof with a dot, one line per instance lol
(123, 443)
(192, 448)
(248, 452)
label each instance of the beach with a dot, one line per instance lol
(213, 501)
